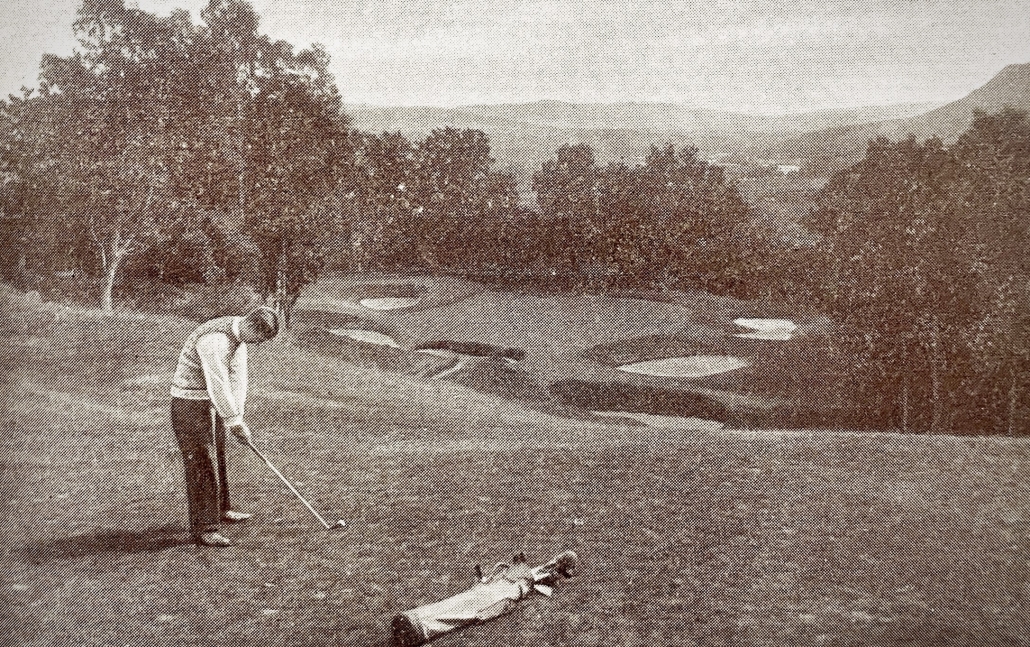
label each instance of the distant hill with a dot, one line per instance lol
(556, 116)
(524, 135)
(837, 147)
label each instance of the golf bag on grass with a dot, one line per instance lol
(493, 595)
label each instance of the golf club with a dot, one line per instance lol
(338, 524)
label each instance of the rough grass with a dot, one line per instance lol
(687, 538)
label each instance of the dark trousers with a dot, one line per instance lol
(201, 435)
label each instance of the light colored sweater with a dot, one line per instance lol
(213, 366)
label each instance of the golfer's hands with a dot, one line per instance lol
(242, 433)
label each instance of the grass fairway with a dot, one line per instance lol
(717, 537)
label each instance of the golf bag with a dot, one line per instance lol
(493, 595)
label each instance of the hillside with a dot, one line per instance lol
(839, 146)
(687, 536)
(524, 135)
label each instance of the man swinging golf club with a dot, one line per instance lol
(208, 392)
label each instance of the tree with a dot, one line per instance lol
(901, 279)
(672, 222)
(451, 171)
(26, 186)
(298, 154)
(993, 194)
(229, 64)
(377, 196)
(115, 140)
(711, 244)
(568, 192)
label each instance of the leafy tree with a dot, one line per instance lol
(228, 68)
(710, 244)
(993, 194)
(452, 167)
(26, 183)
(115, 134)
(672, 222)
(378, 202)
(568, 192)
(901, 278)
(298, 152)
(432, 204)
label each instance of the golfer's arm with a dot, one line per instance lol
(238, 377)
(213, 349)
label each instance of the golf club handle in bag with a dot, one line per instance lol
(490, 597)
(288, 484)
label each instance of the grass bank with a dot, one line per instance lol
(724, 537)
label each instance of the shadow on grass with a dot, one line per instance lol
(106, 541)
(619, 396)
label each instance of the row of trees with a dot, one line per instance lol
(159, 132)
(923, 262)
(672, 222)
(166, 150)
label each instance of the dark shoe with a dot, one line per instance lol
(232, 516)
(213, 539)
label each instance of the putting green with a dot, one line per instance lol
(694, 366)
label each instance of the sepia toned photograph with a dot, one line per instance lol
(470, 323)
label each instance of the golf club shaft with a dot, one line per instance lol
(289, 485)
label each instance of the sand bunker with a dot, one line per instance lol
(389, 303)
(695, 366)
(367, 336)
(439, 352)
(774, 329)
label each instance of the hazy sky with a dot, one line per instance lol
(761, 56)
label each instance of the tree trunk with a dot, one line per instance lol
(904, 406)
(905, 389)
(282, 287)
(1013, 400)
(936, 398)
(119, 250)
(107, 296)
(21, 271)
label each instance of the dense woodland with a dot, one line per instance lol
(168, 159)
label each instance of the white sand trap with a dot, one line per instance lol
(696, 366)
(456, 361)
(439, 352)
(390, 303)
(774, 329)
(367, 336)
(652, 420)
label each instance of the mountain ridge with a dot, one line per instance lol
(524, 135)
(839, 146)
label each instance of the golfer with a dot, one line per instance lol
(208, 392)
